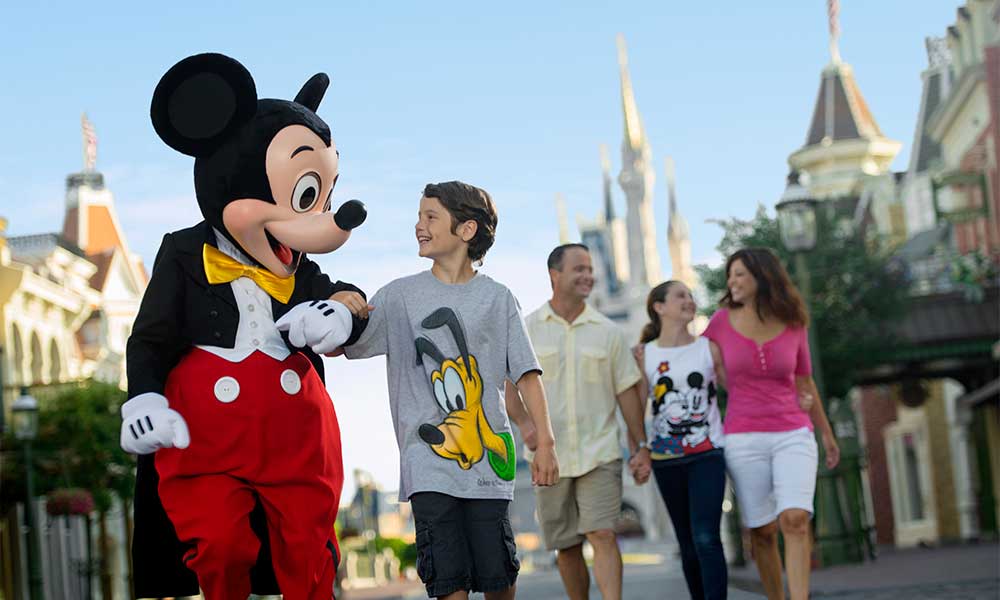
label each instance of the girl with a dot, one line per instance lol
(686, 434)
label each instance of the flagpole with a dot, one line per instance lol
(833, 14)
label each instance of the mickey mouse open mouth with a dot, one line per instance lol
(286, 255)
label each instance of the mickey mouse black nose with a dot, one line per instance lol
(350, 215)
(431, 434)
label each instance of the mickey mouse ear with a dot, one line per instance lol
(312, 92)
(201, 101)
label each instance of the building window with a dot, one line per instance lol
(913, 483)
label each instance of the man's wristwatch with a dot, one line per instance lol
(640, 446)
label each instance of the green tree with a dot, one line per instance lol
(856, 296)
(77, 447)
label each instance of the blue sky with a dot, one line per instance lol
(514, 97)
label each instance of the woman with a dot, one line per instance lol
(761, 340)
(686, 434)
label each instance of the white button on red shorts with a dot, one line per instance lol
(290, 382)
(227, 389)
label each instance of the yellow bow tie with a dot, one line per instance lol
(221, 268)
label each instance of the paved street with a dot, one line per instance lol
(964, 590)
(645, 582)
(970, 572)
(965, 571)
(642, 582)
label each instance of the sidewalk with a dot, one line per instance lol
(389, 591)
(970, 571)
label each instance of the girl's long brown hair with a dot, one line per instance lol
(777, 296)
(651, 330)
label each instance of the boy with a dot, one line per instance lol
(451, 337)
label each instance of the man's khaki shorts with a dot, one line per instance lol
(575, 506)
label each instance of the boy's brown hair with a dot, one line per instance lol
(466, 202)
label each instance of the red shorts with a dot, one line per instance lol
(261, 430)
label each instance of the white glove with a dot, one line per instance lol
(323, 325)
(148, 424)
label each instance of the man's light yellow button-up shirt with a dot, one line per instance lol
(585, 364)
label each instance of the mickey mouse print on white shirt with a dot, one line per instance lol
(683, 417)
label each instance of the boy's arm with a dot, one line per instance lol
(374, 340)
(519, 415)
(545, 466)
(322, 288)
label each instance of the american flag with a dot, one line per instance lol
(833, 12)
(89, 143)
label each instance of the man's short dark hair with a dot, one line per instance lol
(466, 202)
(556, 256)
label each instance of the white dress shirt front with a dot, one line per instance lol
(256, 330)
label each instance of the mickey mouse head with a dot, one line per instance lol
(664, 385)
(264, 169)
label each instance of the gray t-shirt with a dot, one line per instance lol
(449, 348)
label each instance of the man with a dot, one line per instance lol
(588, 372)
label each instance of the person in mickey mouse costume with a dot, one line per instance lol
(240, 469)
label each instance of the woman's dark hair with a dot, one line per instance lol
(651, 330)
(777, 296)
(466, 202)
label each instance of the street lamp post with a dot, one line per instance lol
(24, 415)
(797, 225)
(839, 522)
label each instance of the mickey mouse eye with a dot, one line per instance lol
(329, 197)
(306, 193)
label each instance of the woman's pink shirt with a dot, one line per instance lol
(760, 378)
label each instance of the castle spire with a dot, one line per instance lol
(677, 225)
(562, 219)
(634, 135)
(637, 179)
(609, 205)
(678, 236)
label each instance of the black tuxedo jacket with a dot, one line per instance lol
(180, 310)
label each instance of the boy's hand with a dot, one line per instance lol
(545, 466)
(806, 401)
(354, 302)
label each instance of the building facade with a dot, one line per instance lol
(68, 299)
(929, 412)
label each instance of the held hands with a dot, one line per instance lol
(323, 325)
(545, 465)
(806, 401)
(641, 466)
(148, 424)
(354, 302)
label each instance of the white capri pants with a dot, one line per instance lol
(772, 472)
